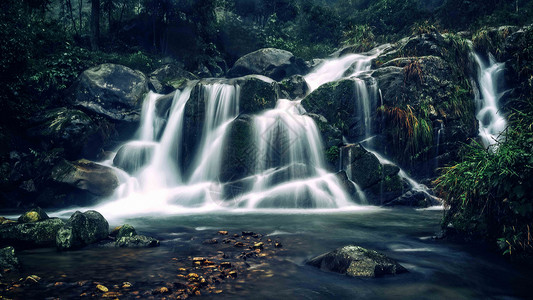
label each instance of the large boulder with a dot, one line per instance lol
(356, 261)
(274, 63)
(82, 229)
(113, 91)
(86, 175)
(30, 235)
(70, 129)
(8, 259)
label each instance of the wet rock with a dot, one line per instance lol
(136, 241)
(168, 78)
(82, 229)
(414, 199)
(127, 237)
(126, 230)
(274, 63)
(8, 259)
(346, 183)
(30, 235)
(86, 175)
(294, 87)
(33, 215)
(222, 232)
(366, 171)
(356, 261)
(132, 156)
(102, 288)
(239, 151)
(113, 91)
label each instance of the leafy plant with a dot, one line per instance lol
(410, 134)
(487, 192)
(332, 154)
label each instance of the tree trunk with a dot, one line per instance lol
(95, 24)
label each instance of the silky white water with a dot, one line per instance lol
(491, 121)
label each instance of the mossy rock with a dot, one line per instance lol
(356, 261)
(33, 215)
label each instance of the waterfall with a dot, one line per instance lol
(491, 121)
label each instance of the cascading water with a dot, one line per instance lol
(288, 171)
(491, 121)
(355, 67)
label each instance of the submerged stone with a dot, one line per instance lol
(357, 261)
(137, 241)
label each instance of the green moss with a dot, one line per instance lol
(332, 154)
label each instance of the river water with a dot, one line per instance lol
(437, 269)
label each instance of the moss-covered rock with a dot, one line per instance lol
(30, 235)
(33, 215)
(336, 101)
(82, 229)
(257, 93)
(356, 261)
(294, 87)
(126, 230)
(168, 78)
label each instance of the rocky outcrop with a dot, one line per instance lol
(30, 235)
(82, 229)
(86, 175)
(274, 63)
(110, 90)
(355, 261)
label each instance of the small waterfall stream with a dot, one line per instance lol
(491, 121)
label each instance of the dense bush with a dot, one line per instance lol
(488, 191)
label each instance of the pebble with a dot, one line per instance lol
(102, 288)
(223, 232)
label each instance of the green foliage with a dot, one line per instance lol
(423, 28)
(488, 191)
(490, 41)
(360, 36)
(332, 154)
(411, 135)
